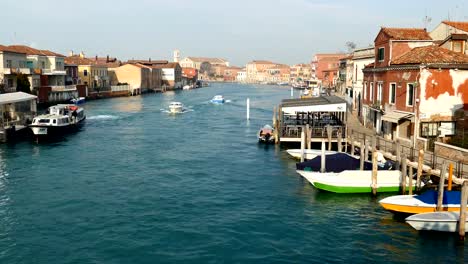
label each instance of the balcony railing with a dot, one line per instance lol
(59, 88)
(53, 72)
(16, 70)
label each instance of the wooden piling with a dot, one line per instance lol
(352, 145)
(322, 158)
(440, 196)
(410, 181)
(339, 141)
(404, 168)
(462, 220)
(362, 147)
(366, 150)
(329, 135)
(420, 169)
(308, 136)
(302, 145)
(450, 176)
(398, 154)
(374, 173)
(374, 142)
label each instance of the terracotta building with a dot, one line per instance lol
(414, 88)
(326, 67)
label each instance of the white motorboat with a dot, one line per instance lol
(217, 99)
(187, 87)
(79, 100)
(60, 119)
(435, 221)
(308, 153)
(265, 135)
(176, 107)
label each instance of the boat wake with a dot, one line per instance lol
(103, 117)
(186, 110)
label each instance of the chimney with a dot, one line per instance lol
(82, 55)
(70, 53)
(107, 58)
(96, 57)
(149, 60)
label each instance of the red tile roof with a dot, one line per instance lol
(8, 49)
(431, 55)
(77, 60)
(458, 25)
(33, 51)
(407, 33)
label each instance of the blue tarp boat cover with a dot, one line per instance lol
(337, 163)
(430, 197)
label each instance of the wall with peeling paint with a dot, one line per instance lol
(442, 93)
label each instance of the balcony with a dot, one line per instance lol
(53, 72)
(16, 70)
(63, 88)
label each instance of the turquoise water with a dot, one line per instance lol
(138, 185)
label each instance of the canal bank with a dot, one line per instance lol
(138, 185)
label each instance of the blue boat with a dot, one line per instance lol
(77, 101)
(217, 99)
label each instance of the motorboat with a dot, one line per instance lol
(176, 107)
(436, 221)
(59, 119)
(343, 175)
(79, 100)
(187, 87)
(217, 99)
(265, 135)
(422, 203)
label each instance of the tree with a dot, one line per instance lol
(350, 46)
(22, 83)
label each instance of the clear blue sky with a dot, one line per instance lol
(287, 31)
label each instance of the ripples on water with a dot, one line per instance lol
(140, 186)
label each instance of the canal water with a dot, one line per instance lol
(138, 185)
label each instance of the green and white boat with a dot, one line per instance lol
(342, 175)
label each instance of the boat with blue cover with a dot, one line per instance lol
(343, 175)
(423, 203)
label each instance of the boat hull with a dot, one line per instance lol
(350, 181)
(175, 110)
(308, 153)
(53, 131)
(217, 101)
(423, 203)
(437, 221)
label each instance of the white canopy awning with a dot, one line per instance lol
(394, 117)
(16, 97)
(315, 108)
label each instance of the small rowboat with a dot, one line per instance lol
(436, 221)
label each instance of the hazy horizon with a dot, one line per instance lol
(282, 31)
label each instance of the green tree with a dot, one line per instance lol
(22, 83)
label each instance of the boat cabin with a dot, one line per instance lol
(324, 115)
(51, 120)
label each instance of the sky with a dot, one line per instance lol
(283, 31)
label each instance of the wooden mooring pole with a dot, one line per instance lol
(462, 220)
(420, 169)
(404, 168)
(440, 195)
(329, 135)
(248, 108)
(374, 173)
(398, 155)
(352, 145)
(450, 176)
(322, 158)
(362, 147)
(410, 181)
(339, 141)
(302, 144)
(308, 136)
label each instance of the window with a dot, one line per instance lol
(42, 64)
(381, 54)
(85, 72)
(429, 129)
(365, 90)
(392, 93)
(371, 92)
(409, 94)
(9, 83)
(379, 92)
(8, 64)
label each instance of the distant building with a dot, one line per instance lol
(230, 73)
(241, 76)
(361, 58)
(326, 68)
(91, 72)
(257, 70)
(196, 62)
(176, 55)
(447, 28)
(138, 76)
(301, 72)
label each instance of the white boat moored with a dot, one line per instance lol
(435, 221)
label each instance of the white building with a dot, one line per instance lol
(195, 62)
(241, 76)
(446, 28)
(11, 63)
(361, 58)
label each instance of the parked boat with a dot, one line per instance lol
(79, 100)
(217, 99)
(342, 175)
(435, 221)
(60, 119)
(308, 153)
(283, 83)
(176, 107)
(265, 135)
(423, 203)
(187, 87)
